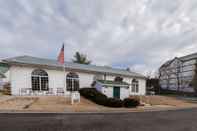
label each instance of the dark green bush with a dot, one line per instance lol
(99, 98)
(113, 102)
(131, 102)
(91, 93)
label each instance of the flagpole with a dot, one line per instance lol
(64, 78)
(64, 70)
(61, 60)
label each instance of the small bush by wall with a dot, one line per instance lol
(101, 99)
(91, 93)
(131, 102)
(113, 102)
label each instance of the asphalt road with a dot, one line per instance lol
(181, 120)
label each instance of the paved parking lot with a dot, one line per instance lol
(181, 120)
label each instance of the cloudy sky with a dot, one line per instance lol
(141, 34)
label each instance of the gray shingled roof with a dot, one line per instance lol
(167, 63)
(189, 57)
(29, 60)
(183, 58)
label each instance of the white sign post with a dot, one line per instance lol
(75, 96)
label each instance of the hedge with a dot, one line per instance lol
(101, 99)
(131, 102)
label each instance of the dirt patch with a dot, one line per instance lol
(49, 104)
(165, 100)
(17, 103)
(63, 104)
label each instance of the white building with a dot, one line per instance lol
(176, 74)
(33, 75)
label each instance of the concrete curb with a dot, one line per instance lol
(96, 113)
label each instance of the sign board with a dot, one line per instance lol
(75, 96)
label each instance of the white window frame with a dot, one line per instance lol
(72, 82)
(135, 86)
(40, 81)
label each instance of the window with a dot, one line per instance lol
(72, 82)
(135, 86)
(39, 79)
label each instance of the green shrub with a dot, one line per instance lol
(113, 102)
(91, 93)
(99, 98)
(131, 102)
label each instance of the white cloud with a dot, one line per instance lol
(140, 34)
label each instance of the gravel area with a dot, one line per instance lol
(167, 100)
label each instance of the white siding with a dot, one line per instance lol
(108, 91)
(124, 93)
(85, 79)
(142, 84)
(20, 77)
(142, 87)
(56, 79)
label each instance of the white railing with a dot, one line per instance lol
(74, 95)
(30, 92)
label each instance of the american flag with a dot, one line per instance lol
(61, 55)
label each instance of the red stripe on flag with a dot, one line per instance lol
(61, 55)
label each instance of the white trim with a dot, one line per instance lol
(112, 85)
(38, 76)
